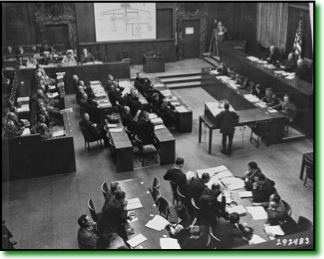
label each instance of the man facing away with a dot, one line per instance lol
(227, 121)
(176, 175)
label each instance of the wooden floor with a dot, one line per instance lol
(42, 213)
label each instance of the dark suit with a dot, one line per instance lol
(128, 122)
(304, 73)
(88, 58)
(145, 131)
(113, 218)
(227, 121)
(226, 232)
(263, 192)
(133, 103)
(142, 84)
(199, 243)
(96, 131)
(290, 65)
(274, 57)
(178, 177)
(195, 189)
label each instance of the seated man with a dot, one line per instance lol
(69, 59)
(79, 93)
(198, 238)
(196, 187)
(262, 188)
(258, 91)
(75, 82)
(270, 98)
(114, 187)
(276, 209)
(303, 71)
(145, 129)
(87, 234)
(245, 239)
(87, 56)
(42, 128)
(168, 114)
(274, 56)
(286, 107)
(222, 70)
(289, 65)
(156, 103)
(141, 84)
(40, 73)
(94, 128)
(127, 119)
(51, 112)
(89, 106)
(132, 101)
(115, 93)
(110, 82)
(47, 100)
(12, 129)
(248, 177)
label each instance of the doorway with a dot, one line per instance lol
(58, 36)
(191, 35)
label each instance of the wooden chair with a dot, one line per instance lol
(156, 182)
(304, 224)
(182, 198)
(196, 209)
(287, 207)
(104, 188)
(95, 216)
(164, 208)
(146, 150)
(262, 130)
(214, 241)
(174, 187)
(89, 137)
(309, 170)
(155, 192)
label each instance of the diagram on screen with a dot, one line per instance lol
(125, 21)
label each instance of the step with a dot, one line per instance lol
(293, 138)
(184, 85)
(180, 79)
(179, 75)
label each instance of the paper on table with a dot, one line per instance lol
(181, 108)
(132, 220)
(116, 130)
(252, 58)
(239, 209)
(290, 77)
(26, 132)
(94, 82)
(135, 241)
(274, 230)
(272, 110)
(256, 240)
(152, 116)
(190, 175)
(223, 174)
(176, 103)
(112, 125)
(215, 72)
(227, 195)
(233, 183)
(23, 99)
(58, 133)
(158, 223)
(169, 243)
(133, 204)
(157, 120)
(212, 171)
(257, 212)
(157, 127)
(261, 104)
(245, 194)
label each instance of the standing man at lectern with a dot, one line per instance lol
(227, 121)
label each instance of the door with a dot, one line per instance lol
(58, 36)
(191, 35)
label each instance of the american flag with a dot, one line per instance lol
(299, 39)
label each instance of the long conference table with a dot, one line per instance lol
(301, 92)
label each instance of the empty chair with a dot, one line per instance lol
(287, 207)
(174, 187)
(304, 224)
(145, 150)
(182, 198)
(156, 195)
(309, 170)
(89, 137)
(164, 208)
(95, 216)
(262, 130)
(126, 57)
(156, 182)
(104, 189)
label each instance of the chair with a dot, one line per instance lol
(214, 241)
(164, 208)
(194, 221)
(196, 208)
(125, 57)
(112, 150)
(131, 137)
(287, 207)
(260, 129)
(174, 187)
(156, 182)
(155, 192)
(309, 170)
(104, 189)
(304, 224)
(182, 198)
(95, 216)
(145, 150)
(89, 137)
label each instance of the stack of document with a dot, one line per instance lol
(251, 98)
(115, 130)
(157, 223)
(257, 212)
(175, 103)
(23, 108)
(169, 243)
(233, 183)
(58, 133)
(166, 93)
(94, 82)
(181, 108)
(252, 58)
(239, 209)
(274, 231)
(158, 127)
(157, 121)
(135, 241)
(228, 197)
(256, 240)
(152, 116)
(214, 72)
(245, 194)
(133, 204)
(111, 125)
(223, 174)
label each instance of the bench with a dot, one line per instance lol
(211, 126)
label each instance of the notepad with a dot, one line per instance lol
(274, 230)
(157, 223)
(135, 241)
(233, 183)
(256, 240)
(257, 213)
(223, 174)
(272, 110)
(252, 58)
(169, 243)
(239, 209)
(214, 72)
(133, 204)
(245, 194)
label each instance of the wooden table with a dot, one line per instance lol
(153, 64)
(309, 156)
(166, 146)
(300, 91)
(136, 188)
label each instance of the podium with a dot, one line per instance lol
(153, 63)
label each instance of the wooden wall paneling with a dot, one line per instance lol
(85, 22)
(164, 22)
(4, 24)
